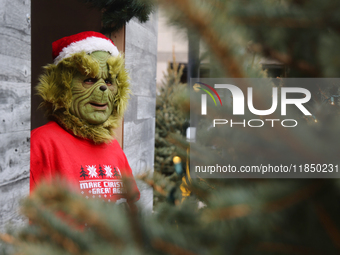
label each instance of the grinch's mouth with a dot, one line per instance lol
(98, 106)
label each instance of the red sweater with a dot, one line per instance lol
(95, 169)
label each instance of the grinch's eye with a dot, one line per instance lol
(108, 82)
(90, 81)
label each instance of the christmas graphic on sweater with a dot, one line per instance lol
(101, 181)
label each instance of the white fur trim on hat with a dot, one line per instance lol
(89, 45)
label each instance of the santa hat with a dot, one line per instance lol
(86, 41)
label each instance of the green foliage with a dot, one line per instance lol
(278, 216)
(243, 217)
(170, 119)
(117, 12)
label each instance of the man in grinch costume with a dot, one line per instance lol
(85, 93)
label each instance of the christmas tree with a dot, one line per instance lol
(170, 118)
(83, 173)
(101, 172)
(115, 173)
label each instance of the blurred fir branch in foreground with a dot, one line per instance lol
(244, 217)
(294, 216)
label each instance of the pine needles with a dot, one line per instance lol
(116, 13)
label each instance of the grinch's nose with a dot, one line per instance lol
(103, 88)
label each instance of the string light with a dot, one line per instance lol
(177, 165)
(315, 120)
(331, 99)
(176, 160)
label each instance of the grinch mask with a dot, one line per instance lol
(86, 94)
(93, 97)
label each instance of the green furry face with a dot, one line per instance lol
(93, 97)
(73, 97)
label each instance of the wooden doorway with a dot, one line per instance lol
(52, 20)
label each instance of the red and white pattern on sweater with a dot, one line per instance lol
(101, 181)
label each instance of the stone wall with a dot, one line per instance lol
(15, 107)
(139, 120)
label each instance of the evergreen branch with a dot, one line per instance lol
(287, 248)
(52, 226)
(7, 238)
(287, 137)
(322, 93)
(169, 248)
(297, 145)
(152, 184)
(95, 220)
(243, 210)
(116, 13)
(227, 213)
(328, 224)
(275, 22)
(59, 199)
(66, 243)
(287, 22)
(285, 59)
(203, 180)
(135, 224)
(294, 198)
(201, 194)
(204, 28)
